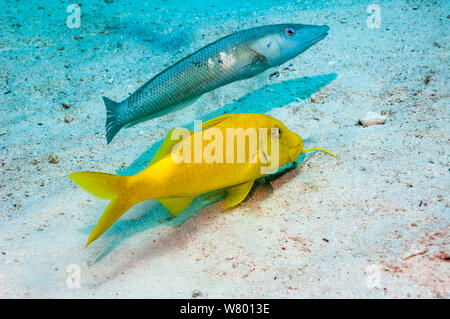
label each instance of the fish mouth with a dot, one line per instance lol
(322, 33)
(295, 152)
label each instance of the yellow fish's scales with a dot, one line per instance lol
(176, 184)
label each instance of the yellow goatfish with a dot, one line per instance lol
(228, 154)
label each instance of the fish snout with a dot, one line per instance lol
(325, 28)
(295, 152)
(317, 33)
(296, 146)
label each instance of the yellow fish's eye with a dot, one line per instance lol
(276, 131)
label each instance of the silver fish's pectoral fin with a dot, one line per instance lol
(237, 194)
(166, 146)
(176, 205)
(258, 57)
(258, 64)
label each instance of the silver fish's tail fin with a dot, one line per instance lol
(112, 125)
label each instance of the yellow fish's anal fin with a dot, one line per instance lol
(237, 194)
(166, 147)
(216, 120)
(176, 205)
(320, 149)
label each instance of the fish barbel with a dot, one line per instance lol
(238, 56)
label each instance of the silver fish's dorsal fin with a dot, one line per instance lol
(166, 146)
(216, 120)
(176, 205)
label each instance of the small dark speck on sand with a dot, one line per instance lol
(68, 119)
(274, 75)
(197, 293)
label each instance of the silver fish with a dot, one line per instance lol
(238, 56)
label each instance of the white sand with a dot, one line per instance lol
(312, 233)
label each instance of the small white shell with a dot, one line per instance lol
(372, 118)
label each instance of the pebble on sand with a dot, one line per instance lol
(372, 118)
(68, 119)
(53, 159)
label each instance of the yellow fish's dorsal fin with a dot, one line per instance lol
(216, 120)
(319, 149)
(165, 148)
(237, 194)
(176, 205)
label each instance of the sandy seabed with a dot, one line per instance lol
(374, 224)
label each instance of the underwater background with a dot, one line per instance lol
(373, 224)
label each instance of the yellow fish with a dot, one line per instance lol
(228, 154)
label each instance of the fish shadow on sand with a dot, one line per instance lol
(258, 101)
(189, 223)
(153, 215)
(156, 215)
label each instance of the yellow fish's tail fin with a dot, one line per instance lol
(106, 186)
(319, 149)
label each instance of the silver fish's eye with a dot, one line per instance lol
(289, 32)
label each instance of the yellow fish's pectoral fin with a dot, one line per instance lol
(106, 186)
(216, 120)
(176, 205)
(320, 149)
(237, 194)
(166, 147)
